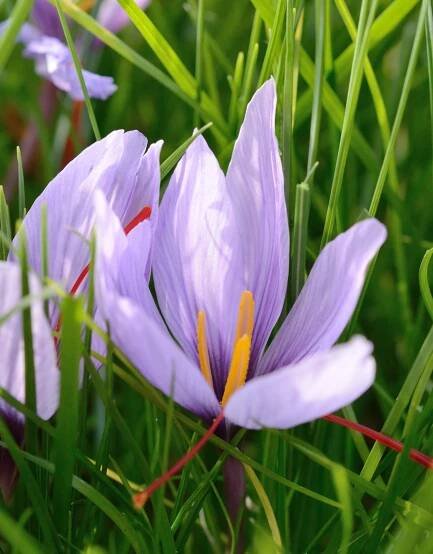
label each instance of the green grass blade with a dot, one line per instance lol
(5, 225)
(67, 426)
(30, 379)
(21, 186)
(169, 163)
(365, 22)
(8, 38)
(273, 50)
(424, 282)
(199, 57)
(165, 53)
(400, 110)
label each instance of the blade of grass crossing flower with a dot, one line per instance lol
(16, 536)
(78, 70)
(34, 493)
(88, 338)
(267, 507)
(169, 163)
(424, 282)
(21, 186)
(44, 251)
(273, 50)
(30, 384)
(68, 418)
(199, 57)
(5, 225)
(366, 17)
(18, 16)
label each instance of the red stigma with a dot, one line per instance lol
(140, 499)
(144, 214)
(389, 442)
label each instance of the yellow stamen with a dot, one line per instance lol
(238, 367)
(203, 353)
(245, 322)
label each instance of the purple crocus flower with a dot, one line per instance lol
(221, 254)
(12, 362)
(128, 177)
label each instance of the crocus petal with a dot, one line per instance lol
(46, 18)
(328, 298)
(12, 374)
(116, 166)
(312, 388)
(113, 17)
(54, 62)
(256, 186)
(197, 258)
(132, 323)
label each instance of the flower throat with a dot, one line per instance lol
(241, 353)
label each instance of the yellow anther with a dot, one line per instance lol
(245, 323)
(203, 353)
(238, 367)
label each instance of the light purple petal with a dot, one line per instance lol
(114, 165)
(54, 62)
(113, 17)
(131, 319)
(197, 257)
(46, 18)
(328, 298)
(256, 186)
(12, 366)
(312, 388)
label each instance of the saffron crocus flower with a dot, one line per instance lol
(221, 254)
(12, 365)
(128, 177)
(126, 174)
